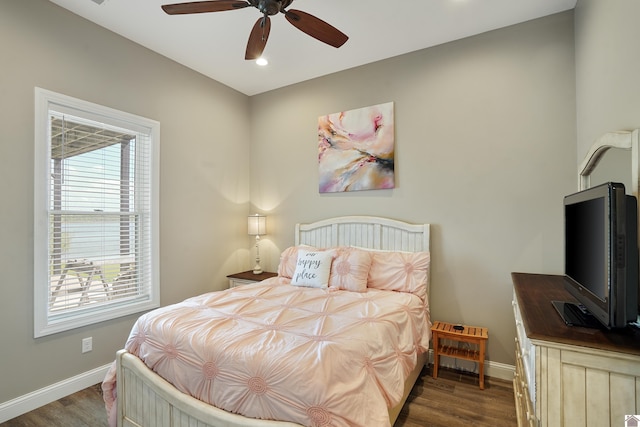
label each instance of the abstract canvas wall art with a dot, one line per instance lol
(356, 149)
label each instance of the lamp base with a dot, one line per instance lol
(257, 269)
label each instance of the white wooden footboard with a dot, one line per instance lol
(146, 400)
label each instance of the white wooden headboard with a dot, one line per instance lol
(364, 231)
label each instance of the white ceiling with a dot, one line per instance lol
(214, 43)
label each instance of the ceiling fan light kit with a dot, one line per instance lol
(305, 22)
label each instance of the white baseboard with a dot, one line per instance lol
(491, 369)
(28, 402)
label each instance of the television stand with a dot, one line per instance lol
(574, 315)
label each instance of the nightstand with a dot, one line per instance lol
(461, 333)
(247, 277)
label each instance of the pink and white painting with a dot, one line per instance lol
(356, 149)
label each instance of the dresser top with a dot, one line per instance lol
(541, 321)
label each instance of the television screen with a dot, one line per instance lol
(586, 245)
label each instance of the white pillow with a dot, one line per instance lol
(312, 269)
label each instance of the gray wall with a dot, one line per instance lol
(607, 69)
(204, 188)
(607, 79)
(485, 138)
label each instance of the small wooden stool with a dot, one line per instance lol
(470, 335)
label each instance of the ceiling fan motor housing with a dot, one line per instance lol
(271, 7)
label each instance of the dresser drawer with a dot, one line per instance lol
(521, 386)
(527, 352)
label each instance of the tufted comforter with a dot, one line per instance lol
(270, 350)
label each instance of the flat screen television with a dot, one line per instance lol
(601, 257)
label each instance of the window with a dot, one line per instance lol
(96, 213)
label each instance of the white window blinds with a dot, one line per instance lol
(99, 257)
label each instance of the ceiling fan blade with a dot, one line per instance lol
(316, 28)
(204, 6)
(258, 38)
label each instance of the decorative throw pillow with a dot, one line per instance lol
(350, 269)
(289, 259)
(312, 268)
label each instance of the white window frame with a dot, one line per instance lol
(44, 322)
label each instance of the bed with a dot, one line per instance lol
(294, 318)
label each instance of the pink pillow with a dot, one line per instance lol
(289, 258)
(400, 271)
(350, 269)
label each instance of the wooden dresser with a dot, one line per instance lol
(569, 376)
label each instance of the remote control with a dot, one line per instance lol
(458, 328)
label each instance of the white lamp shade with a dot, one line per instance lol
(257, 225)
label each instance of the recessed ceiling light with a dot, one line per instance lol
(262, 61)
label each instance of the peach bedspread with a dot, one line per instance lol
(317, 357)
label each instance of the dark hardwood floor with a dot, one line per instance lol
(454, 399)
(82, 409)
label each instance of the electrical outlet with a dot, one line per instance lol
(87, 344)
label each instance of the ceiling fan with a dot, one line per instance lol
(315, 27)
